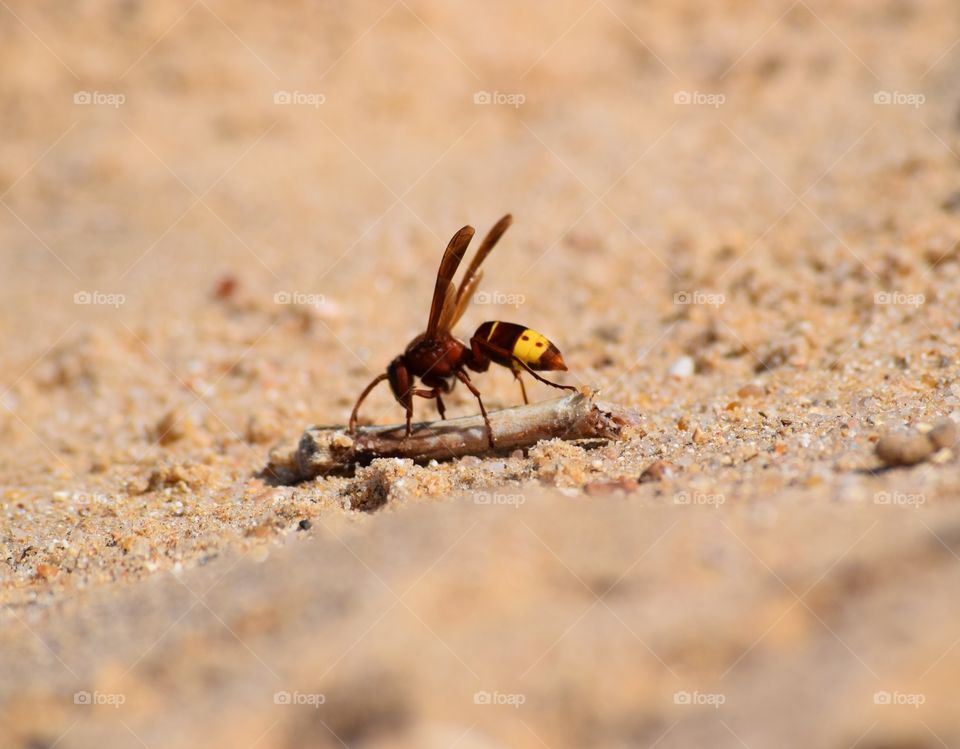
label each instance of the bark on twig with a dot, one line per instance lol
(326, 450)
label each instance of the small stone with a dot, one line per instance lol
(46, 571)
(942, 456)
(751, 390)
(699, 436)
(225, 287)
(682, 367)
(903, 448)
(261, 530)
(174, 425)
(658, 471)
(944, 433)
(304, 525)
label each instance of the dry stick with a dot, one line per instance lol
(324, 450)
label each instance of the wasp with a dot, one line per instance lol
(438, 359)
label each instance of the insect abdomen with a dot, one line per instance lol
(509, 341)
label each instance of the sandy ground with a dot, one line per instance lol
(219, 221)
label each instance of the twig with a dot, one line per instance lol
(325, 450)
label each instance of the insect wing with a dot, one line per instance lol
(442, 298)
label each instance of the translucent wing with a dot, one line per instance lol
(443, 295)
(448, 309)
(464, 296)
(473, 275)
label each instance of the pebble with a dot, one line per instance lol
(46, 571)
(173, 425)
(682, 367)
(304, 525)
(944, 433)
(657, 471)
(942, 456)
(903, 448)
(751, 390)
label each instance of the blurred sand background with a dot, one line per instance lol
(219, 220)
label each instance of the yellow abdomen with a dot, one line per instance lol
(519, 342)
(529, 348)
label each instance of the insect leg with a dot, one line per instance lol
(544, 380)
(462, 376)
(487, 348)
(353, 415)
(523, 388)
(432, 393)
